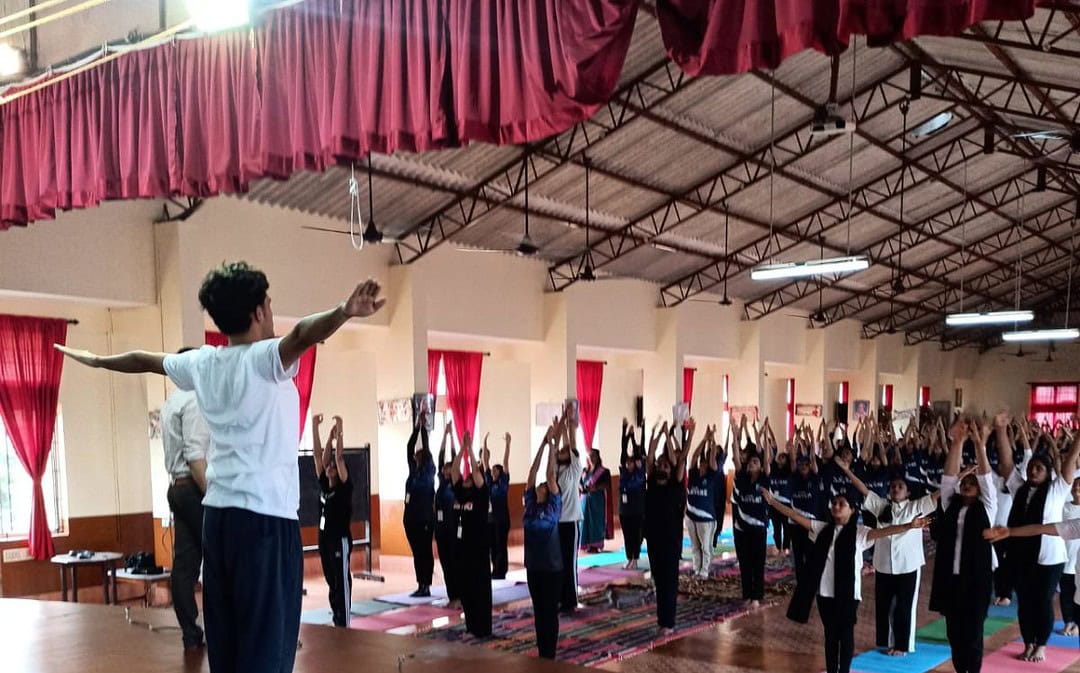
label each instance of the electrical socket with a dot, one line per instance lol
(16, 554)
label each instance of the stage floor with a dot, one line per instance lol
(55, 637)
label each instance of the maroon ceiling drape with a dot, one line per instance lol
(723, 37)
(327, 81)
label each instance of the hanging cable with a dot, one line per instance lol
(772, 158)
(904, 107)
(1019, 247)
(963, 234)
(356, 224)
(1072, 259)
(851, 146)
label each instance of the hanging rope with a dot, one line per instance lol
(1072, 259)
(851, 146)
(356, 224)
(772, 159)
(963, 235)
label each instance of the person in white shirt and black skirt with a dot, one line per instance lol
(964, 564)
(1038, 562)
(335, 516)
(543, 556)
(833, 574)
(898, 561)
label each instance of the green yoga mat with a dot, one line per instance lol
(935, 631)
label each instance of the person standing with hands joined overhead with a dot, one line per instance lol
(543, 557)
(498, 480)
(335, 516)
(665, 503)
(419, 517)
(569, 474)
(252, 554)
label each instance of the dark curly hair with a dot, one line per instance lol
(231, 293)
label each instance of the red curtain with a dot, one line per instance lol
(590, 380)
(688, 386)
(721, 37)
(462, 371)
(29, 391)
(1053, 402)
(433, 360)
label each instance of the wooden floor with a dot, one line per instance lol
(53, 637)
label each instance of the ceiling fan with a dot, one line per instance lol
(1071, 138)
(526, 247)
(370, 233)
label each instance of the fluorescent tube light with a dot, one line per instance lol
(1043, 335)
(815, 267)
(215, 15)
(989, 318)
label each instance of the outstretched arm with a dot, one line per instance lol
(535, 467)
(361, 302)
(998, 533)
(317, 452)
(506, 454)
(132, 362)
(917, 522)
(339, 450)
(785, 510)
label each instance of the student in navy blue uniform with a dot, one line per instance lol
(335, 516)
(701, 503)
(721, 494)
(665, 501)
(631, 494)
(498, 480)
(780, 485)
(750, 515)
(419, 517)
(446, 522)
(543, 555)
(471, 502)
(805, 495)
(833, 576)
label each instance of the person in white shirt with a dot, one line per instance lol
(1068, 530)
(185, 438)
(1005, 444)
(833, 573)
(1067, 590)
(1038, 563)
(253, 559)
(964, 567)
(569, 477)
(898, 561)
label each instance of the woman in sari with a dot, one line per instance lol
(598, 523)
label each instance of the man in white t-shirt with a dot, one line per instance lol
(253, 560)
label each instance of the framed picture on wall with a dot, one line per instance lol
(860, 408)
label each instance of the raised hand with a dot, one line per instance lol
(959, 430)
(338, 423)
(364, 300)
(920, 522)
(316, 420)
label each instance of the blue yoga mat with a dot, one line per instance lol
(1058, 640)
(1005, 611)
(926, 656)
(602, 559)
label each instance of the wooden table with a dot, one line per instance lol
(148, 580)
(105, 559)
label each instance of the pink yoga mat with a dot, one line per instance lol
(1005, 661)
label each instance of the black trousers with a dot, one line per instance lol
(500, 536)
(632, 528)
(800, 549)
(1068, 593)
(253, 570)
(419, 537)
(894, 596)
(964, 629)
(838, 616)
(664, 565)
(720, 500)
(568, 542)
(1003, 583)
(779, 530)
(1035, 589)
(185, 501)
(476, 590)
(450, 560)
(750, 550)
(335, 551)
(544, 591)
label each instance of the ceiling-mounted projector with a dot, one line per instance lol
(828, 122)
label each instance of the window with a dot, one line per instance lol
(1053, 402)
(16, 487)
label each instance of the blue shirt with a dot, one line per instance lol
(445, 514)
(500, 511)
(541, 523)
(749, 509)
(780, 478)
(806, 494)
(700, 500)
(631, 491)
(420, 493)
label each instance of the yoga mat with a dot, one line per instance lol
(925, 657)
(320, 617)
(438, 592)
(601, 559)
(935, 631)
(1005, 660)
(510, 594)
(1058, 640)
(368, 608)
(1003, 611)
